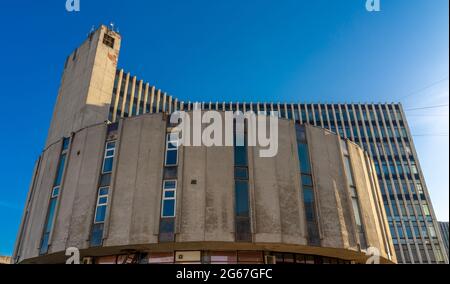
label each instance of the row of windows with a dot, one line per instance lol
(145, 98)
(348, 117)
(435, 256)
(219, 257)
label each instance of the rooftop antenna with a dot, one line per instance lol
(91, 31)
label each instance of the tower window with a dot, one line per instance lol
(108, 40)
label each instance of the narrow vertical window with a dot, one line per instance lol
(102, 203)
(108, 159)
(241, 185)
(169, 188)
(103, 191)
(54, 194)
(168, 207)
(307, 187)
(353, 195)
(171, 157)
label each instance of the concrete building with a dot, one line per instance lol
(444, 232)
(110, 184)
(5, 260)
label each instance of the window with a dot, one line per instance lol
(241, 185)
(419, 188)
(66, 144)
(242, 199)
(348, 171)
(353, 194)
(305, 166)
(102, 204)
(54, 194)
(432, 231)
(426, 209)
(108, 40)
(172, 145)
(240, 156)
(307, 187)
(110, 151)
(168, 209)
(241, 173)
(308, 196)
(439, 255)
(414, 169)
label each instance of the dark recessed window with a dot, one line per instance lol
(241, 173)
(108, 40)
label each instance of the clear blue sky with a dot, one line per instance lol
(260, 50)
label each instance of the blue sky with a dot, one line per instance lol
(260, 50)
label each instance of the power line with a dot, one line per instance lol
(424, 88)
(430, 114)
(427, 107)
(431, 135)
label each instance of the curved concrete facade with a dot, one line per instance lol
(205, 218)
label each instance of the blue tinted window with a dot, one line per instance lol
(308, 196)
(307, 180)
(242, 201)
(97, 235)
(66, 143)
(50, 216)
(111, 145)
(107, 167)
(103, 200)
(55, 192)
(241, 173)
(304, 158)
(240, 156)
(170, 184)
(171, 158)
(59, 173)
(103, 191)
(44, 244)
(100, 214)
(172, 145)
(169, 194)
(169, 208)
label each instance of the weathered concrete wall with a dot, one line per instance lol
(369, 202)
(136, 192)
(205, 209)
(5, 260)
(278, 204)
(79, 193)
(39, 202)
(86, 86)
(333, 201)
